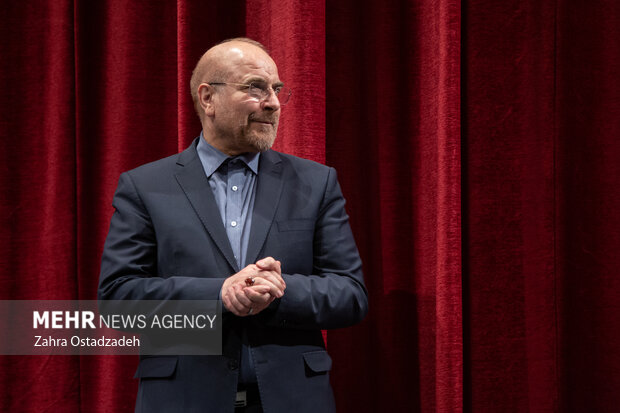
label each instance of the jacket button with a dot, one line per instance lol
(233, 364)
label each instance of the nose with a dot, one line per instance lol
(271, 101)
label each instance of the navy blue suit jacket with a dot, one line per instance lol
(167, 242)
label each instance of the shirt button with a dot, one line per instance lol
(234, 188)
(233, 223)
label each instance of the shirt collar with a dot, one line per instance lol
(211, 158)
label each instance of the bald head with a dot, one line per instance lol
(217, 62)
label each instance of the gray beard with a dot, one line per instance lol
(261, 145)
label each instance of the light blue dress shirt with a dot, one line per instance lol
(233, 182)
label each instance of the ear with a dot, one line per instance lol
(205, 98)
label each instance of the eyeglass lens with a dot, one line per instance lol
(261, 92)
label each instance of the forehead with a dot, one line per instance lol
(247, 62)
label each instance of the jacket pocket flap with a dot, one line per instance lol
(296, 225)
(156, 367)
(318, 361)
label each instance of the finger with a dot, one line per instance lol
(260, 307)
(239, 308)
(268, 263)
(270, 281)
(236, 308)
(225, 294)
(271, 275)
(242, 297)
(229, 305)
(275, 266)
(253, 271)
(257, 288)
(280, 274)
(273, 278)
(257, 297)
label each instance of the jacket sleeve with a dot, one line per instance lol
(334, 295)
(129, 261)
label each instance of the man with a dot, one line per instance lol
(231, 219)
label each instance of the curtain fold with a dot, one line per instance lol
(508, 199)
(38, 239)
(587, 195)
(393, 134)
(476, 143)
(126, 80)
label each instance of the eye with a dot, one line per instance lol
(260, 85)
(277, 90)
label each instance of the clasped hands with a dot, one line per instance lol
(252, 289)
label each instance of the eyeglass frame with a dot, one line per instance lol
(264, 92)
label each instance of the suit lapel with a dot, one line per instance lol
(268, 191)
(192, 179)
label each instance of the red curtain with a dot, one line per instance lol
(540, 107)
(393, 99)
(476, 143)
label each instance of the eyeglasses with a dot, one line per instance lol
(260, 91)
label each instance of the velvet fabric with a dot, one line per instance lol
(476, 143)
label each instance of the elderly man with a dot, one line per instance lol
(230, 219)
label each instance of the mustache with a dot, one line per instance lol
(255, 118)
